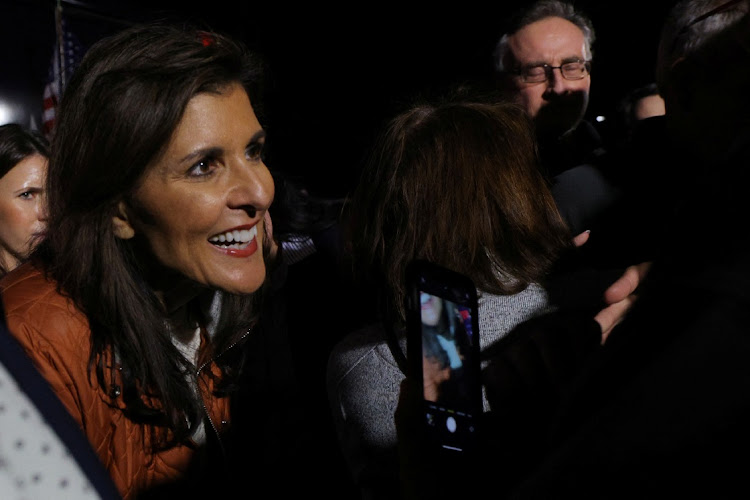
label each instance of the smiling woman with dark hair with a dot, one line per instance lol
(136, 305)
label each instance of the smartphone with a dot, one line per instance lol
(443, 355)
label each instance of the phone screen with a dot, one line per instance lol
(448, 358)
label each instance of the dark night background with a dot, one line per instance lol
(336, 71)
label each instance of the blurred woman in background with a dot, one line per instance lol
(24, 156)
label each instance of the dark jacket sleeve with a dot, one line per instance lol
(526, 378)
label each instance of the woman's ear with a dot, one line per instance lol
(121, 223)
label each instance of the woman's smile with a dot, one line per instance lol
(238, 242)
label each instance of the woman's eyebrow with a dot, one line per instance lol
(213, 151)
(260, 134)
(201, 153)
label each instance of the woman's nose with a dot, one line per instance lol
(252, 188)
(42, 211)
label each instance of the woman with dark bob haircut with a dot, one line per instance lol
(136, 305)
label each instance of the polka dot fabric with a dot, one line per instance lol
(34, 462)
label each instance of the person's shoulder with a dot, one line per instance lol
(34, 307)
(364, 337)
(498, 314)
(28, 290)
(22, 273)
(361, 349)
(531, 298)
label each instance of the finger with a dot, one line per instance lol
(581, 238)
(627, 283)
(611, 315)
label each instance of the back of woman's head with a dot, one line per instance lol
(117, 115)
(17, 143)
(456, 182)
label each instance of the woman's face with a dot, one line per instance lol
(201, 206)
(432, 307)
(23, 218)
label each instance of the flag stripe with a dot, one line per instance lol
(72, 55)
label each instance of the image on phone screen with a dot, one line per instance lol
(448, 374)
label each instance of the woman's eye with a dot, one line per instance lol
(200, 169)
(255, 151)
(30, 194)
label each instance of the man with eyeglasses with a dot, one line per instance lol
(661, 409)
(543, 62)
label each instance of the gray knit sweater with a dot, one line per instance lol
(364, 380)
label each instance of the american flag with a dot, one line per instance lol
(65, 60)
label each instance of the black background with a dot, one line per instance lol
(337, 70)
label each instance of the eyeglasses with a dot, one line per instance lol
(574, 70)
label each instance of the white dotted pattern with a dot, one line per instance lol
(34, 463)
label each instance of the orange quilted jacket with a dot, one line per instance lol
(55, 334)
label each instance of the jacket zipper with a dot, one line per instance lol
(203, 401)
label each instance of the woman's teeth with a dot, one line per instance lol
(236, 238)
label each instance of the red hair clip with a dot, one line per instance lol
(206, 39)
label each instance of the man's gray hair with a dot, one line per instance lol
(542, 10)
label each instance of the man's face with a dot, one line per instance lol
(556, 105)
